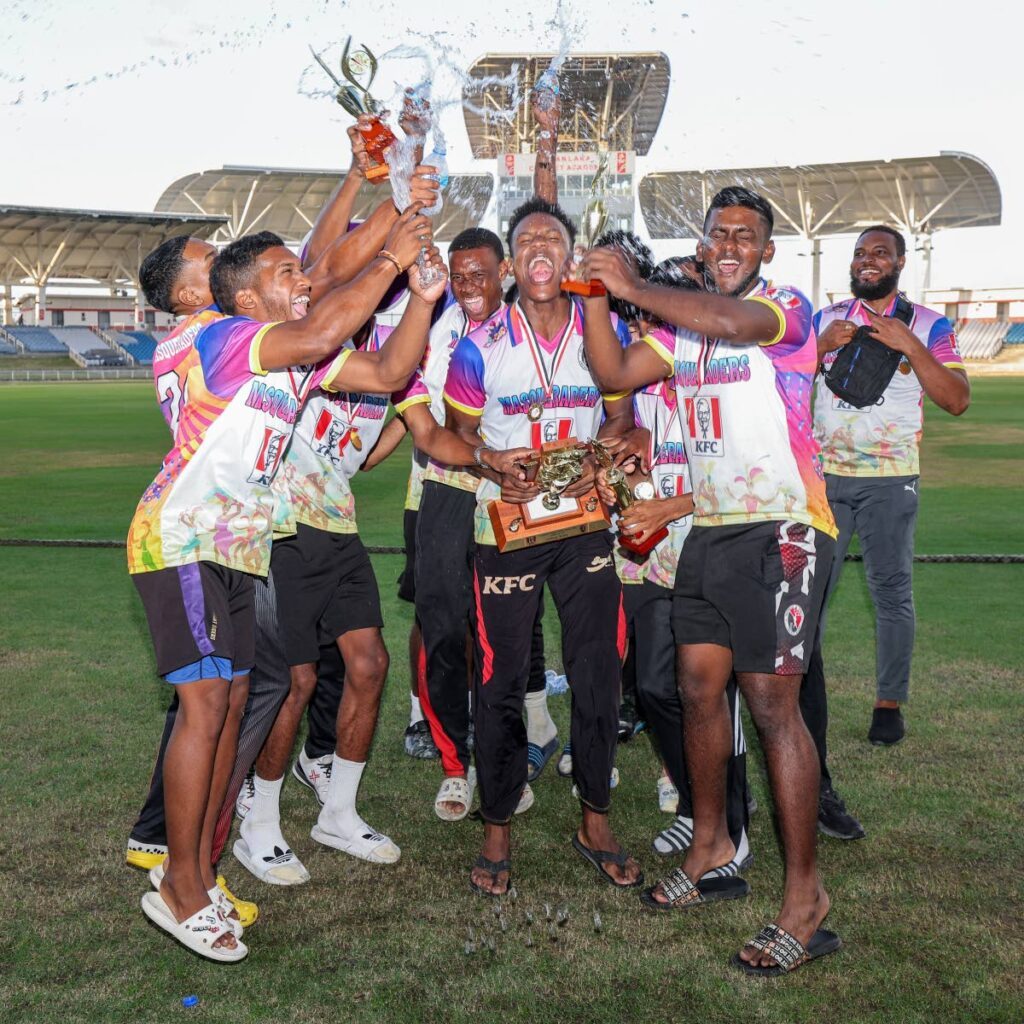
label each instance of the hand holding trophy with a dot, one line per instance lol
(625, 496)
(592, 224)
(356, 99)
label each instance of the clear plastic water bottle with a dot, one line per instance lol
(546, 89)
(437, 159)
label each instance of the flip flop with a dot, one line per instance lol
(601, 857)
(537, 757)
(787, 952)
(493, 868)
(198, 932)
(217, 898)
(683, 894)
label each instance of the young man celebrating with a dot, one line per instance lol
(752, 572)
(202, 528)
(870, 459)
(514, 382)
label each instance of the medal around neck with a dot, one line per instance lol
(551, 515)
(359, 68)
(626, 496)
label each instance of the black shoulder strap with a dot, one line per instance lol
(904, 309)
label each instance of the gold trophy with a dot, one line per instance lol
(625, 495)
(550, 516)
(356, 99)
(592, 224)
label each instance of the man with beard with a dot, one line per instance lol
(202, 529)
(751, 576)
(870, 459)
(514, 382)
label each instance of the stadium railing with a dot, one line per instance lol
(100, 373)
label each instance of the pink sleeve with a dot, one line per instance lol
(464, 385)
(412, 394)
(225, 352)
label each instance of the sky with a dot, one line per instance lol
(104, 104)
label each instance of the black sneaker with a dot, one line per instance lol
(419, 743)
(834, 819)
(887, 727)
(627, 719)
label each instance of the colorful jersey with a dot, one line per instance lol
(414, 489)
(211, 500)
(174, 359)
(881, 439)
(497, 372)
(427, 385)
(656, 410)
(746, 414)
(334, 434)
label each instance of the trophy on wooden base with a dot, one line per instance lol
(592, 224)
(356, 99)
(551, 515)
(626, 492)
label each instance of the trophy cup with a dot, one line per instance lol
(356, 99)
(592, 223)
(625, 495)
(550, 516)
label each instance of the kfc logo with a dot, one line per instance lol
(546, 431)
(330, 437)
(794, 619)
(704, 424)
(269, 458)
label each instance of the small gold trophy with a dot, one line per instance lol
(625, 495)
(550, 516)
(592, 224)
(356, 99)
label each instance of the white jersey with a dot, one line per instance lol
(500, 370)
(881, 439)
(334, 434)
(746, 411)
(656, 410)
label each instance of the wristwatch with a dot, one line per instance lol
(644, 491)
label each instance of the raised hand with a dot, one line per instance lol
(435, 289)
(410, 233)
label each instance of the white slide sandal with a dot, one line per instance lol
(216, 894)
(364, 843)
(198, 932)
(280, 867)
(456, 790)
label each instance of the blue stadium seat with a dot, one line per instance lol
(1016, 334)
(7, 349)
(140, 344)
(38, 339)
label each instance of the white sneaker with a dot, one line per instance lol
(246, 795)
(668, 796)
(315, 773)
(526, 801)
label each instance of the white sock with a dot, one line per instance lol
(415, 711)
(540, 728)
(339, 815)
(261, 827)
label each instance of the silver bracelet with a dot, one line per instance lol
(476, 455)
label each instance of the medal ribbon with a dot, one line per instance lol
(546, 379)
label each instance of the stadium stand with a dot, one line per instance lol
(7, 348)
(1015, 335)
(78, 339)
(980, 339)
(37, 340)
(139, 345)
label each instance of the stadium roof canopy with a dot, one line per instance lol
(287, 201)
(609, 101)
(38, 244)
(919, 195)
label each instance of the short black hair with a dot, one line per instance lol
(669, 272)
(538, 205)
(737, 195)
(477, 238)
(901, 242)
(233, 267)
(159, 272)
(633, 246)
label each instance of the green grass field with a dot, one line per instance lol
(929, 904)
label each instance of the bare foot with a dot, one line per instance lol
(715, 859)
(596, 834)
(497, 847)
(183, 906)
(799, 916)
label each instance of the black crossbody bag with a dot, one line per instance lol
(864, 366)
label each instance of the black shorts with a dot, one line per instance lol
(407, 579)
(325, 588)
(202, 617)
(756, 589)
